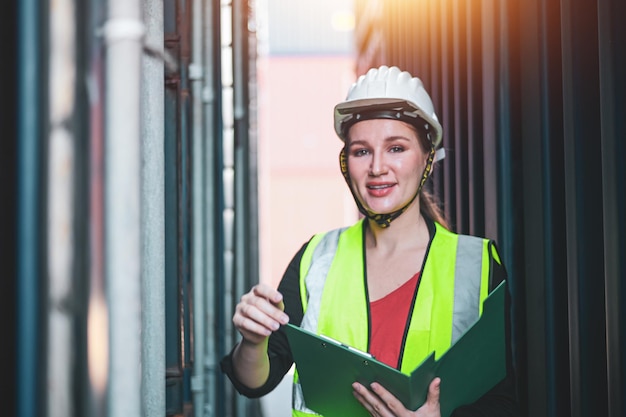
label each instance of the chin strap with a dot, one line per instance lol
(385, 219)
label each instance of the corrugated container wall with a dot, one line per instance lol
(129, 230)
(530, 95)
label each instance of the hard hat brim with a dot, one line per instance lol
(345, 113)
(366, 104)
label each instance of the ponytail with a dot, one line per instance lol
(430, 207)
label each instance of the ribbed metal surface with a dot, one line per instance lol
(530, 95)
(148, 235)
(584, 232)
(527, 93)
(612, 41)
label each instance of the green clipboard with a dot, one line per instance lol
(471, 367)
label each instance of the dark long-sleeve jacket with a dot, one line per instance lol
(499, 401)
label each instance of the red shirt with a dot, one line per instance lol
(389, 318)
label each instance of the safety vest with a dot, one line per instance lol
(453, 284)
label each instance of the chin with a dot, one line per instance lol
(382, 210)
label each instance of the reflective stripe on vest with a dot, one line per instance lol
(468, 268)
(314, 263)
(453, 285)
(317, 269)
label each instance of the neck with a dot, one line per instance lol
(409, 229)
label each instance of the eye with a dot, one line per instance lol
(396, 148)
(359, 152)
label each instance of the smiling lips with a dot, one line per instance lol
(380, 189)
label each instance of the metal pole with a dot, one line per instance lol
(245, 186)
(29, 198)
(227, 287)
(62, 346)
(199, 190)
(212, 203)
(153, 216)
(123, 33)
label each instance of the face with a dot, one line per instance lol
(385, 163)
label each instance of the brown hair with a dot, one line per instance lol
(429, 207)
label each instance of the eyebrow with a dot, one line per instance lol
(387, 139)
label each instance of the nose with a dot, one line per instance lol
(377, 165)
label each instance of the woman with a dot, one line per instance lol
(386, 284)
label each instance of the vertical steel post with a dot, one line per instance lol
(153, 215)
(29, 233)
(123, 32)
(62, 345)
(246, 271)
(198, 196)
(229, 213)
(211, 99)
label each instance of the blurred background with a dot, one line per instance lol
(160, 157)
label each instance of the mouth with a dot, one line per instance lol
(379, 186)
(380, 190)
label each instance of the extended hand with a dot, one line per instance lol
(381, 403)
(259, 313)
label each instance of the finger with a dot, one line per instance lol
(250, 317)
(257, 316)
(388, 399)
(257, 301)
(251, 331)
(432, 399)
(369, 400)
(273, 311)
(269, 293)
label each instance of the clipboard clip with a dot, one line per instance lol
(337, 342)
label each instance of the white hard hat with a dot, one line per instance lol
(388, 93)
